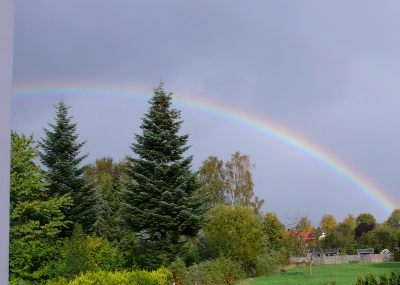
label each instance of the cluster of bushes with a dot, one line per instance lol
(161, 276)
(370, 279)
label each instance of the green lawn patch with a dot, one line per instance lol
(342, 274)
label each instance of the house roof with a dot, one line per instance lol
(365, 250)
(306, 236)
(315, 249)
(333, 250)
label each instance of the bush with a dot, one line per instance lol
(179, 271)
(383, 280)
(161, 276)
(235, 232)
(76, 255)
(270, 263)
(215, 272)
(397, 256)
(103, 255)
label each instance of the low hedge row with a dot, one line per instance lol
(161, 276)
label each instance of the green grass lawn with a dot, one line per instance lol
(324, 274)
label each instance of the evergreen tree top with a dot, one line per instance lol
(160, 199)
(160, 140)
(65, 175)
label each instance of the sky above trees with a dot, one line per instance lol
(325, 71)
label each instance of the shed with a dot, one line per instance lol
(365, 251)
(365, 254)
(332, 251)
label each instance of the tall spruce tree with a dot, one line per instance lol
(160, 202)
(64, 174)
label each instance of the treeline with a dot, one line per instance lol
(149, 211)
(359, 232)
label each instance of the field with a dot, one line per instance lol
(343, 274)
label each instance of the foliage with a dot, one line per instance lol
(76, 255)
(215, 272)
(179, 271)
(212, 176)
(350, 221)
(342, 236)
(365, 218)
(362, 229)
(301, 223)
(381, 237)
(109, 178)
(160, 200)
(394, 217)
(60, 155)
(235, 232)
(103, 255)
(397, 256)
(161, 276)
(240, 182)
(35, 219)
(370, 279)
(230, 183)
(274, 231)
(271, 262)
(328, 223)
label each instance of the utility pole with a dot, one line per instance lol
(6, 68)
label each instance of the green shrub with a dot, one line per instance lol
(179, 271)
(235, 232)
(76, 255)
(216, 272)
(370, 279)
(397, 256)
(162, 276)
(270, 263)
(104, 256)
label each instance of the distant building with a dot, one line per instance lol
(305, 236)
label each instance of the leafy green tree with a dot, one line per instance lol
(35, 219)
(235, 232)
(381, 237)
(240, 182)
(300, 223)
(362, 229)
(366, 218)
(60, 155)
(230, 183)
(341, 236)
(274, 231)
(328, 223)
(212, 176)
(160, 202)
(350, 221)
(394, 217)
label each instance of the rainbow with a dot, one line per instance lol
(231, 114)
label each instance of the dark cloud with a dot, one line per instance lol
(327, 71)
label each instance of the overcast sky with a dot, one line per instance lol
(325, 70)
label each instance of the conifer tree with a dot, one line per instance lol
(160, 201)
(108, 177)
(60, 156)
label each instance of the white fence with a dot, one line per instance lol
(339, 259)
